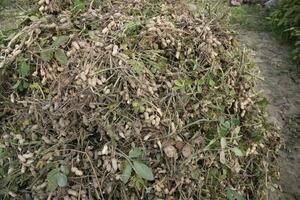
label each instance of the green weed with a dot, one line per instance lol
(250, 17)
(285, 21)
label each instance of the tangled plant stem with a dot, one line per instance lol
(106, 81)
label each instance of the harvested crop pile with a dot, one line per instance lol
(130, 100)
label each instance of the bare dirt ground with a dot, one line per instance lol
(281, 87)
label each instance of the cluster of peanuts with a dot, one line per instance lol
(74, 194)
(246, 98)
(87, 78)
(111, 165)
(110, 27)
(44, 5)
(160, 26)
(14, 48)
(26, 160)
(246, 95)
(151, 118)
(209, 42)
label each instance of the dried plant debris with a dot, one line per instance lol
(130, 100)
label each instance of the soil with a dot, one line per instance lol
(280, 85)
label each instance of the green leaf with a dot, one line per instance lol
(179, 83)
(25, 84)
(224, 128)
(23, 68)
(33, 18)
(52, 185)
(47, 54)
(61, 57)
(52, 173)
(196, 174)
(126, 172)
(132, 28)
(137, 66)
(137, 182)
(2, 153)
(135, 153)
(78, 5)
(143, 170)
(136, 104)
(60, 40)
(51, 178)
(35, 86)
(238, 152)
(209, 144)
(56, 178)
(233, 195)
(61, 179)
(211, 83)
(17, 84)
(64, 169)
(195, 64)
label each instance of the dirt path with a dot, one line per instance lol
(281, 87)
